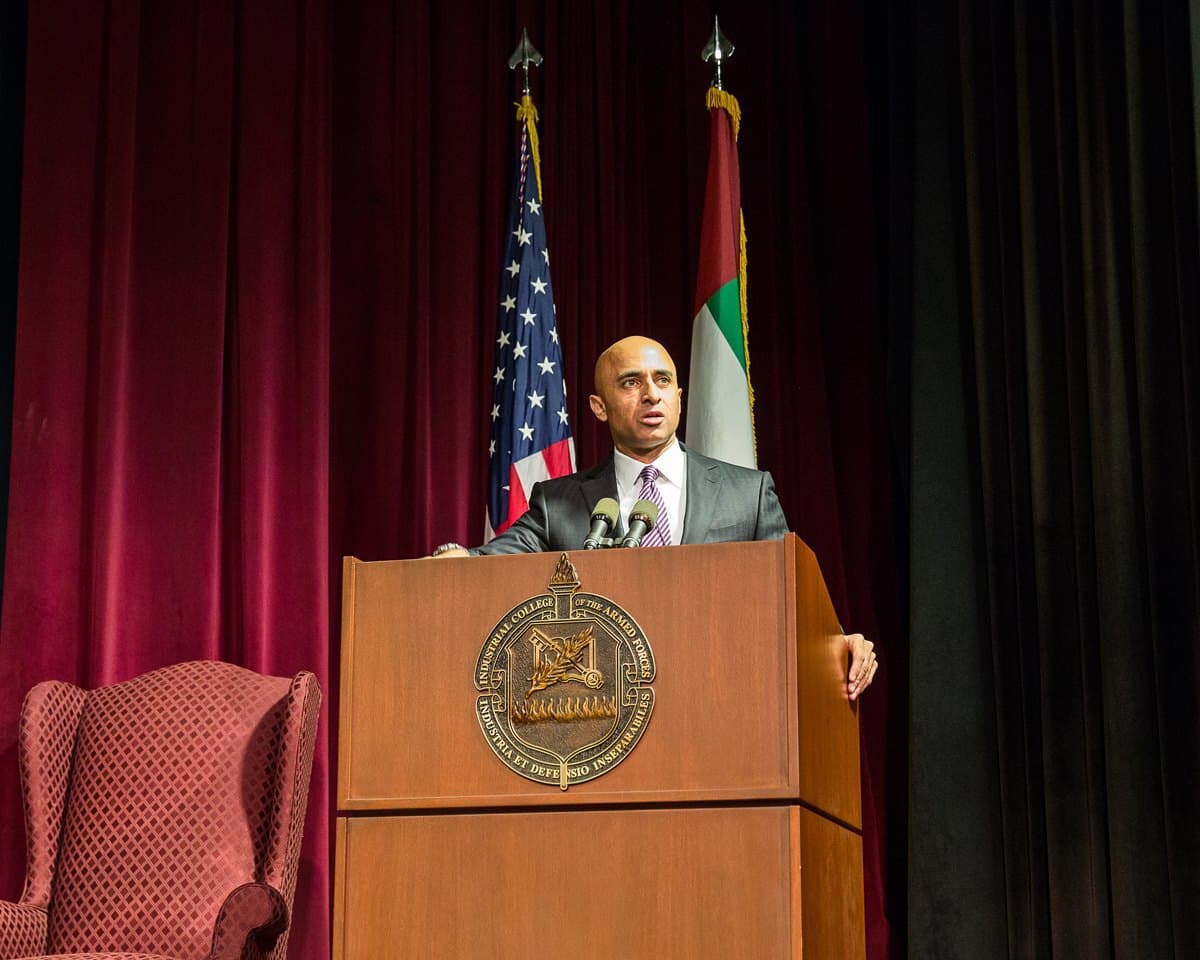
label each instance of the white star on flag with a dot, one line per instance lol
(539, 286)
(526, 431)
(547, 365)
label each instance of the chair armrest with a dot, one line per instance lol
(250, 921)
(22, 930)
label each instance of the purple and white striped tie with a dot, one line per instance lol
(660, 533)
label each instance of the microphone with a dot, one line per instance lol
(642, 519)
(604, 518)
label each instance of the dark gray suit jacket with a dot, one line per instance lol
(724, 502)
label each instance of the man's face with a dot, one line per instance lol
(638, 396)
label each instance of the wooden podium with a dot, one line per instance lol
(732, 829)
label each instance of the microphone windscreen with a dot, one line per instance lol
(608, 508)
(647, 509)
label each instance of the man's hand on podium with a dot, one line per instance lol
(863, 664)
(450, 550)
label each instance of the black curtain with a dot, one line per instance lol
(12, 111)
(1043, 212)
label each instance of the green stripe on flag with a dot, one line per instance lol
(726, 307)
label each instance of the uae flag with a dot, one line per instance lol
(720, 420)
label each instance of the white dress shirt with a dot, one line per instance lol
(672, 484)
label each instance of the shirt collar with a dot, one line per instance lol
(670, 463)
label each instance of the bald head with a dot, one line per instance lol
(638, 396)
(620, 353)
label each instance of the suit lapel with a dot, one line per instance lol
(600, 482)
(703, 495)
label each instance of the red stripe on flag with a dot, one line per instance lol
(720, 227)
(517, 502)
(558, 458)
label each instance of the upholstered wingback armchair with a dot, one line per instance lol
(163, 815)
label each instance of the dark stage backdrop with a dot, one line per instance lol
(1044, 189)
(12, 100)
(259, 263)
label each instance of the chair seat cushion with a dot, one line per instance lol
(100, 956)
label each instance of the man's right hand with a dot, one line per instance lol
(441, 553)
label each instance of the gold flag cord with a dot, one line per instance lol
(528, 112)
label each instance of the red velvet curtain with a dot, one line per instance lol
(202, 429)
(170, 468)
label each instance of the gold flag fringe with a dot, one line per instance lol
(727, 102)
(528, 112)
(746, 323)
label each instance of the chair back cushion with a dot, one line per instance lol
(173, 803)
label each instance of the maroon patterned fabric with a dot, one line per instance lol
(100, 956)
(22, 929)
(256, 908)
(46, 741)
(164, 815)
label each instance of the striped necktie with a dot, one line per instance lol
(660, 533)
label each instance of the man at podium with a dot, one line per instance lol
(697, 499)
(700, 500)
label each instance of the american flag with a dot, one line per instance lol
(531, 436)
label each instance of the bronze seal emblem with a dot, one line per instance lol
(565, 684)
